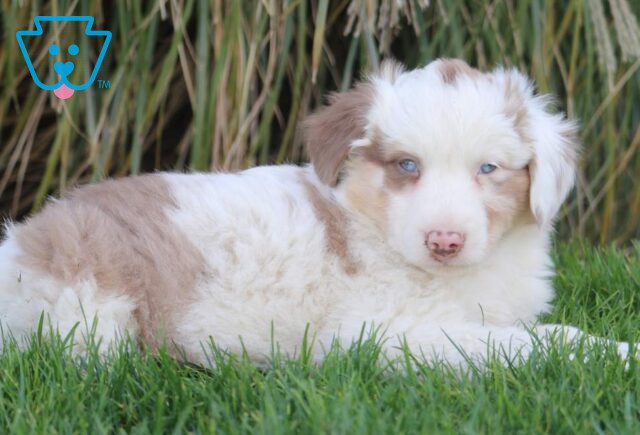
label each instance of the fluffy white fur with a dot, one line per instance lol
(269, 272)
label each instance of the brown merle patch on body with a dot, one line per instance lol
(118, 233)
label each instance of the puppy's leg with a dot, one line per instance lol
(572, 334)
(461, 343)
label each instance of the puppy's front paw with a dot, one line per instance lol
(627, 352)
(623, 351)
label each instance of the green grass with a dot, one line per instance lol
(223, 84)
(42, 390)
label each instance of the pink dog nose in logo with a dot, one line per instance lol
(63, 92)
(444, 244)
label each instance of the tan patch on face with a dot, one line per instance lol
(329, 132)
(451, 69)
(508, 203)
(365, 195)
(118, 233)
(395, 178)
(335, 225)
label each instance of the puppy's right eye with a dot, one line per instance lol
(408, 165)
(488, 168)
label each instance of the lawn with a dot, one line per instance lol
(42, 390)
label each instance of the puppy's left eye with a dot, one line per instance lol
(408, 165)
(488, 168)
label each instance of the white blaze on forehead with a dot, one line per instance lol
(422, 115)
(446, 112)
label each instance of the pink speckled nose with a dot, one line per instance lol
(444, 244)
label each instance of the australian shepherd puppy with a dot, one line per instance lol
(426, 212)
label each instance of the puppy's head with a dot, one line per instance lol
(444, 160)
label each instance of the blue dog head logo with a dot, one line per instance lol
(63, 88)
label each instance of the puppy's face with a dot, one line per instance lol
(445, 160)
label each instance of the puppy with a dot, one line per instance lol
(426, 212)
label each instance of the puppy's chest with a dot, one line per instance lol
(477, 296)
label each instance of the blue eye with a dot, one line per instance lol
(488, 168)
(408, 165)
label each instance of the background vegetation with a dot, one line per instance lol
(223, 84)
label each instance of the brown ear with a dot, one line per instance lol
(330, 131)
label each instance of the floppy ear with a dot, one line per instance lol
(553, 168)
(553, 139)
(330, 131)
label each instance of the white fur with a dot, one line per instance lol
(270, 275)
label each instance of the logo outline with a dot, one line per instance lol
(39, 32)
